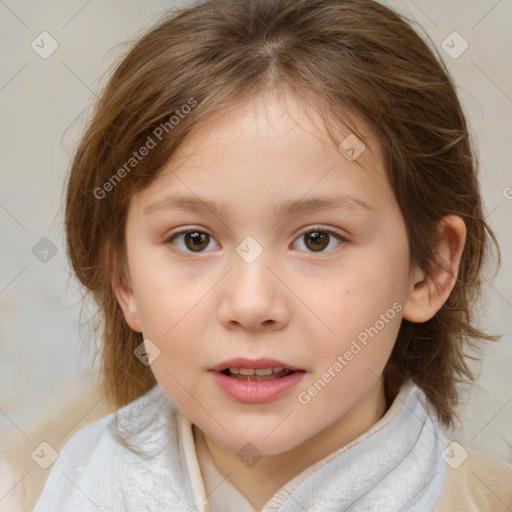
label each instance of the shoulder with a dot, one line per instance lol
(475, 481)
(87, 448)
(110, 460)
(122, 433)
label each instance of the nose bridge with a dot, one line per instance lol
(251, 296)
(251, 261)
(250, 250)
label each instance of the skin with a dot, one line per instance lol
(295, 304)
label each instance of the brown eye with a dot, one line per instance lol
(190, 241)
(318, 240)
(196, 241)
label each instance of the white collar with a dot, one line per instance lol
(408, 413)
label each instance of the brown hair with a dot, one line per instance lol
(347, 57)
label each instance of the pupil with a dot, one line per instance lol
(199, 240)
(319, 240)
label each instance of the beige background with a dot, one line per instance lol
(46, 373)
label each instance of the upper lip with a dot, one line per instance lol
(242, 362)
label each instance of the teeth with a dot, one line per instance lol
(263, 371)
(256, 371)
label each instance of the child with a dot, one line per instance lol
(277, 209)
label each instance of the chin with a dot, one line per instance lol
(254, 442)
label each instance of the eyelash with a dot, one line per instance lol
(169, 240)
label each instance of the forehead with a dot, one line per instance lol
(281, 120)
(272, 148)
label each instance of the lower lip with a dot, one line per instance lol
(255, 391)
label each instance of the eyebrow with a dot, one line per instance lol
(346, 202)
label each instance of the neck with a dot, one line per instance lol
(260, 482)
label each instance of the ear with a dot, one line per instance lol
(430, 291)
(121, 284)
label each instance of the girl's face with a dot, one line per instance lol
(260, 241)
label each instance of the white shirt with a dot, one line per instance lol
(397, 464)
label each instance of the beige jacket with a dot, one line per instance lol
(480, 483)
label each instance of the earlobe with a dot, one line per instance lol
(126, 299)
(430, 291)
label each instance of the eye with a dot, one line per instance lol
(316, 240)
(194, 240)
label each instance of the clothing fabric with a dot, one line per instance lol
(480, 483)
(395, 465)
(221, 495)
(398, 464)
(12, 487)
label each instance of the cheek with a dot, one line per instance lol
(360, 307)
(173, 313)
(164, 292)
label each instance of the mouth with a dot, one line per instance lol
(255, 374)
(256, 380)
(255, 369)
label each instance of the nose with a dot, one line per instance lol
(253, 296)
